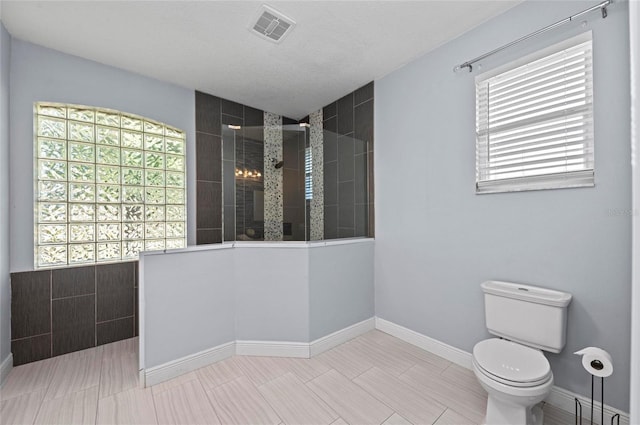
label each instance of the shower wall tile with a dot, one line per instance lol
(253, 117)
(207, 113)
(73, 281)
(363, 94)
(348, 165)
(363, 115)
(316, 207)
(272, 178)
(329, 111)
(54, 311)
(345, 114)
(209, 165)
(345, 158)
(232, 108)
(209, 205)
(208, 236)
(209, 150)
(73, 324)
(330, 183)
(330, 221)
(30, 304)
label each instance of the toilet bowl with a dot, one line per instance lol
(516, 379)
(512, 369)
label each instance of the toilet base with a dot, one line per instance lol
(501, 413)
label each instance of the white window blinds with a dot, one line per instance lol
(534, 122)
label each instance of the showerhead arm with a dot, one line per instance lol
(276, 163)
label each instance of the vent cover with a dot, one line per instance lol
(271, 24)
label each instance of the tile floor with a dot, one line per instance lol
(373, 379)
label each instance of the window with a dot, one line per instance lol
(108, 185)
(534, 121)
(308, 168)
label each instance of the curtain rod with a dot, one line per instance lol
(469, 64)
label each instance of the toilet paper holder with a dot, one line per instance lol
(598, 363)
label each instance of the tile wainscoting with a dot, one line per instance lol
(58, 311)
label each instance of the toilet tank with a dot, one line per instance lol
(530, 315)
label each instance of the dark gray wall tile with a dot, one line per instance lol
(229, 223)
(232, 108)
(209, 205)
(228, 147)
(136, 271)
(209, 157)
(363, 94)
(30, 303)
(360, 178)
(114, 297)
(363, 125)
(253, 117)
(330, 221)
(229, 182)
(32, 349)
(330, 183)
(115, 330)
(346, 215)
(207, 113)
(73, 281)
(362, 220)
(346, 232)
(345, 158)
(73, 323)
(232, 120)
(330, 146)
(345, 114)
(329, 111)
(207, 236)
(346, 194)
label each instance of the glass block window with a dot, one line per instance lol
(108, 185)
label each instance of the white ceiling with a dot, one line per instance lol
(336, 46)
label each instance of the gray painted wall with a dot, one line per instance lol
(41, 74)
(5, 286)
(189, 303)
(340, 287)
(436, 240)
(272, 294)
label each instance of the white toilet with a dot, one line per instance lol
(512, 368)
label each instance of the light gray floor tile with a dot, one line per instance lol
(400, 396)
(134, 406)
(185, 404)
(21, 409)
(239, 402)
(75, 408)
(465, 402)
(295, 403)
(28, 378)
(350, 401)
(219, 373)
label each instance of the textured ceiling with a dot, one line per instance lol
(335, 47)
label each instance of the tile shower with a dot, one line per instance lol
(321, 189)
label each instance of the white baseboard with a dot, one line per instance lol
(327, 342)
(172, 369)
(559, 397)
(453, 354)
(564, 399)
(5, 368)
(303, 349)
(272, 349)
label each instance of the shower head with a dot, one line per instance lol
(277, 164)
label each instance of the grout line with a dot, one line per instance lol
(33, 336)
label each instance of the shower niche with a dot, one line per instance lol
(268, 184)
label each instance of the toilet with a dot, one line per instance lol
(512, 368)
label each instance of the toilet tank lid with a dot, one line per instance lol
(528, 293)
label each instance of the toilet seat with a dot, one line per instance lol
(510, 363)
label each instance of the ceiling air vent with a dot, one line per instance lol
(271, 24)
